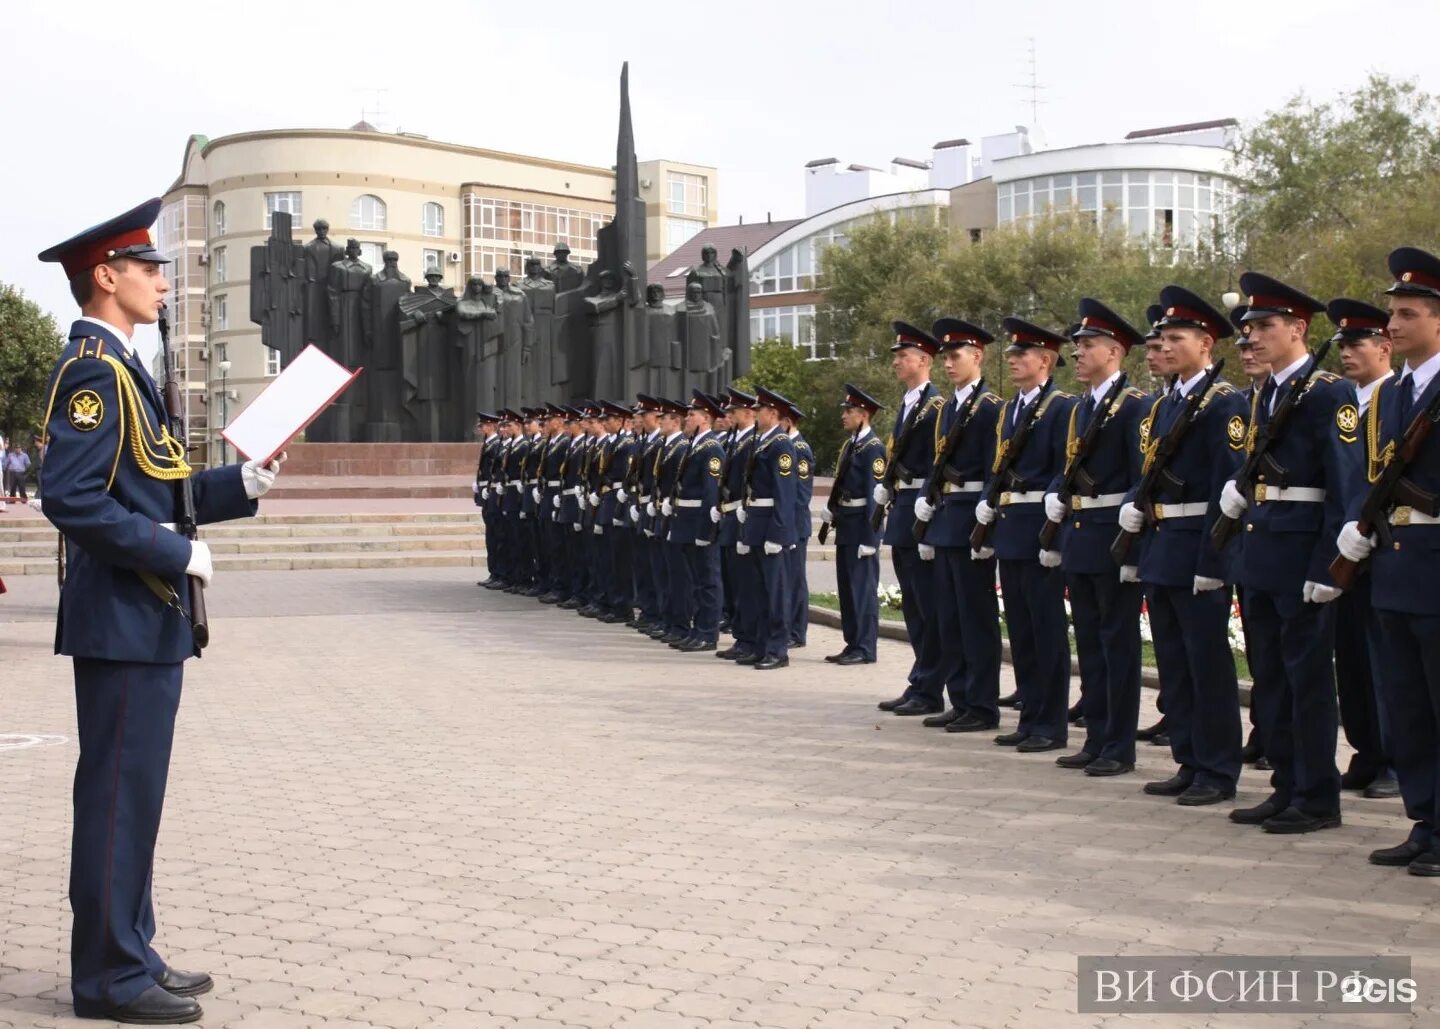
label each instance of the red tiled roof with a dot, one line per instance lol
(723, 238)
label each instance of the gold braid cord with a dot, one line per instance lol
(160, 457)
(1376, 459)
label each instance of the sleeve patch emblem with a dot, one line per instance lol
(715, 466)
(804, 468)
(785, 462)
(87, 410)
(1235, 429)
(878, 467)
(1347, 418)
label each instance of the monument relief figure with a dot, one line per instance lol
(540, 291)
(565, 275)
(516, 325)
(343, 420)
(320, 253)
(277, 289)
(735, 326)
(382, 371)
(705, 350)
(608, 310)
(664, 365)
(473, 326)
(429, 363)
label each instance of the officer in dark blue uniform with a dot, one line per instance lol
(109, 484)
(487, 428)
(767, 527)
(1104, 603)
(498, 552)
(1403, 574)
(679, 590)
(619, 600)
(1366, 357)
(692, 529)
(797, 581)
(1291, 522)
(519, 553)
(967, 611)
(910, 450)
(552, 533)
(1185, 578)
(649, 564)
(597, 546)
(859, 468)
(1034, 595)
(572, 508)
(1155, 363)
(742, 586)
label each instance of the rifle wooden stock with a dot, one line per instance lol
(185, 523)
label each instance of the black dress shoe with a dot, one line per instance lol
(673, 637)
(771, 663)
(551, 598)
(1075, 713)
(185, 984)
(1104, 766)
(1250, 753)
(1426, 864)
(1171, 787)
(1079, 759)
(1382, 788)
(971, 723)
(855, 658)
(724, 625)
(495, 584)
(1267, 808)
(918, 707)
(833, 658)
(1293, 820)
(731, 653)
(1262, 764)
(514, 587)
(1201, 796)
(1397, 857)
(1038, 745)
(153, 1007)
(891, 705)
(1011, 739)
(612, 618)
(1150, 732)
(1357, 777)
(797, 644)
(533, 591)
(588, 611)
(943, 719)
(1010, 699)
(748, 659)
(569, 605)
(696, 646)
(1163, 740)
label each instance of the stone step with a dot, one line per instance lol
(10, 524)
(10, 541)
(455, 558)
(364, 545)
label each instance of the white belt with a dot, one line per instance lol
(688, 503)
(171, 525)
(1265, 494)
(1164, 511)
(1410, 516)
(964, 487)
(761, 502)
(645, 499)
(552, 483)
(731, 506)
(517, 486)
(482, 483)
(1034, 496)
(575, 491)
(855, 503)
(908, 484)
(1103, 500)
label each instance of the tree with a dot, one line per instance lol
(29, 344)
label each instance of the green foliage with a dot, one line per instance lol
(29, 344)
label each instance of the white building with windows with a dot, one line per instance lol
(463, 210)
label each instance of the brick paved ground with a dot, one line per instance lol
(398, 800)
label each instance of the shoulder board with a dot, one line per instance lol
(1137, 393)
(1222, 389)
(1324, 376)
(935, 403)
(991, 398)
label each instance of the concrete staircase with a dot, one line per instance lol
(283, 542)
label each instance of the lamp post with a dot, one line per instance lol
(224, 411)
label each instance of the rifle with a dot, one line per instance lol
(185, 523)
(832, 502)
(1165, 449)
(980, 535)
(724, 484)
(1384, 492)
(935, 488)
(675, 487)
(1265, 439)
(893, 466)
(1085, 444)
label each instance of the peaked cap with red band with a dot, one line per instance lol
(952, 333)
(1356, 320)
(1416, 271)
(1184, 309)
(1271, 296)
(126, 235)
(1023, 335)
(906, 335)
(1098, 320)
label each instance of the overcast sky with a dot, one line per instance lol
(100, 97)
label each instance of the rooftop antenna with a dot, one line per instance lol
(1032, 87)
(373, 108)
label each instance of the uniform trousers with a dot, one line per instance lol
(126, 721)
(703, 568)
(857, 580)
(1410, 685)
(771, 604)
(679, 589)
(1039, 646)
(917, 590)
(1357, 677)
(1106, 616)
(967, 633)
(749, 598)
(798, 584)
(620, 574)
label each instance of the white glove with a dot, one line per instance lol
(1232, 501)
(702, 543)
(1129, 573)
(523, 516)
(771, 549)
(650, 508)
(983, 554)
(666, 508)
(924, 510)
(984, 513)
(1315, 593)
(201, 566)
(535, 494)
(485, 493)
(475, 486)
(1132, 519)
(1049, 559)
(1354, 546)
(1054, 509)
(594, 499)
(596, 529)
(866, 552)
(827, 516)
(741, 549)
(882, 495)
(555, 502)
(634, 513)
(258, 478)
(927, 552)
(714, 516)
(1204, 584)
(621, 495)
(740, 515)
(577, 526)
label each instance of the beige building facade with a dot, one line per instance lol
(463, 210)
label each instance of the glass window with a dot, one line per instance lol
(219, 217)
(1139, 194)
(367, 211)
(1112, 194)
(221, 310)
(1186, 197)
(431, 259)
(1185, 226)
(687, 194)
(218, 264)
(1004, 191)
(1004, 210)
(679, 231)
(1022, 205)
(287, 202)
(1113, 178)
(433, 219)
(1087, 198)
(272, 362)
(373, 254)
(1164, 195)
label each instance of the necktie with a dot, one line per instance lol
(1267, 395)
(1019, 411)
(1087, 414)
(1406, 398)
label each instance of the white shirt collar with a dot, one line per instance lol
(124, 339)
(1364, 393)
(742, 433)
(1029, 396)
(654, 435)
(1420, 377)
(674, 436)
(1183, 389)
(1097, 393)
(773, 430)
(962, 393)
(1280, 377)
(912, 396)
(862, 434)
(793, 434)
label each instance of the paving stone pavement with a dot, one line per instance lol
(398, 800)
